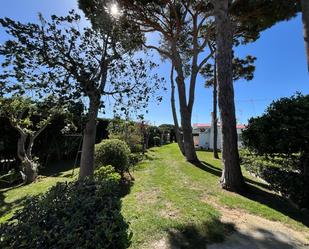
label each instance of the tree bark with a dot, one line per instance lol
(231, 178)
(214, 113)
(305, 18)
(185, 109)
(29, 169)
(89, 136)
(175, 118)
(189, 149)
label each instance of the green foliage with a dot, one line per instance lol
(22, 111)
(283, 128)
(290, 184)
(81, 214)
(257, 15)
(157, 141)
(134, 158)
(107, 177)
(278, 143)
(281, 174)
(75, 62)
(242, 69)
(113, 152)
(128, 131)
(256, 164)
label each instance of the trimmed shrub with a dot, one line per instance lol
(135, 148)
(135, 158)
(113, 152)
(107, 178)
(281, 174)
(81, 214)
(291, 185)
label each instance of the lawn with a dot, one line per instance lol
(175, 200)
(12, 199)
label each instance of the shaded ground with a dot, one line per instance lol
(255, 232)
(13, 198)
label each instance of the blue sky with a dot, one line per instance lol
(280, 66)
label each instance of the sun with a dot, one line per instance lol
(114, 10)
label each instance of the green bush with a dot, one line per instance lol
(135, 148)
(81, 214)
(280, 173)
(292, 185)
(157, 141)
(107, 178)
(135, 158)
(113, 152)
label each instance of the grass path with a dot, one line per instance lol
(175, 200)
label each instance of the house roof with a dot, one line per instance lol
(239, 126)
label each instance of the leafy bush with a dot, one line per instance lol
(278, 141)
(157, 141)
(107, 178)
(81, 214)
(128, 131)
(292, 185)
(113, 152)
(281, 130)
(135, 148)
(281, 174)
(135, 158)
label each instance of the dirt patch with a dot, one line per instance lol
(255, 232)
(148, 196)
(169, 211)
(160, 244)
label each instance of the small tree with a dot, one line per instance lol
(74, 63)
(29, 118)
(128, 131)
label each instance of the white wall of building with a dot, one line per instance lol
(205, 136)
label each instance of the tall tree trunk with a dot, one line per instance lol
(175, 118)
(231, 178)
(305, 17)
(185, 110)
(87, 157)
(214, 113)
(189, 148)
(29, 169)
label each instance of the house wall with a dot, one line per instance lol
(206, 137)
(204, 140)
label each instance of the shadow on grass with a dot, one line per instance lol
(259, 192)
(197, 236)
(56, 169)
(7, 207)
(256, 238)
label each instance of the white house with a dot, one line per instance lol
(203, 136)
